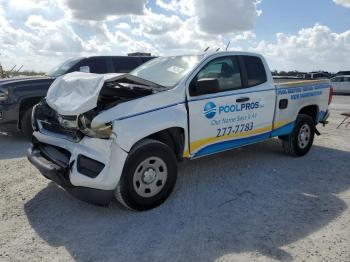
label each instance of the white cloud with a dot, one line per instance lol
(52, 30)
(311, 49)
(245, 36)
(185, 7)
(345, 3)
(217, 17)
(28, 4)
(226, 16)
(156, 24)
(101, 10)
(38, 22)
(122, 26)
(56, 36)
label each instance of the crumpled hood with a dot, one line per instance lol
(77, 92)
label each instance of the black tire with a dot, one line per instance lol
(293, 144)
(126, 191)
(26, 123)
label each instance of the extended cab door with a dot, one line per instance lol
(231, 102)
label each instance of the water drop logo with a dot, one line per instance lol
(210, 110)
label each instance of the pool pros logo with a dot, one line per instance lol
(210, 110)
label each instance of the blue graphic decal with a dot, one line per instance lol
(321, 116)
(283, 130)
(210, 110)
(226, 145)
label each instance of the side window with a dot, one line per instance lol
(125, 64)
(225, 70)
(256, 74)
(96, 65)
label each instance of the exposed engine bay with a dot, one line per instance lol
(75, 125)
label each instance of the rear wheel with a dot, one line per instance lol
(300, 141)
(148, 177)
(26, 123)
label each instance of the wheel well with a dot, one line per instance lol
(174, 138)
(25, 105)
(310, 111)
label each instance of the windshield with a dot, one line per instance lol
(62, 69)
(167, 71)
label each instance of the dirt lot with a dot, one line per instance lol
(250, 204)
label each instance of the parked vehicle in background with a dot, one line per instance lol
(341, 84)
(343, 73)
(19, 95)
(314, 75)
(124, 135)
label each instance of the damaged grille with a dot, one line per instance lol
(46, 120)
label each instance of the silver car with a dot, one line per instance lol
(341, 84)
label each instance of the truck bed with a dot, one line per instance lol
(295, 81)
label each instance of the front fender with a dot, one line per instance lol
(133, 129)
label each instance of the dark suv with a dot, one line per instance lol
(19, 95)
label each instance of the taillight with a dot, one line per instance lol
(331, 90)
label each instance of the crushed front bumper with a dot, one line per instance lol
(59, 175)
(90, 170)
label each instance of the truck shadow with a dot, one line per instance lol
(12, 143)
(250, 200)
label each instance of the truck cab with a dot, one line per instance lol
(124, 137)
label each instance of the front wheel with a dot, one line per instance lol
(148, 177)
(300, 141)
(26, 123)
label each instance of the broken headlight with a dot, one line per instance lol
(84, 124)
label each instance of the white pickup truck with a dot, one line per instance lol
(121, 136)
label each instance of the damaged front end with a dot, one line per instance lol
(75, 124)
(69, 148)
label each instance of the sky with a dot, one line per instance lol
(302, 35)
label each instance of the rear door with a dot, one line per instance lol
(240, 114)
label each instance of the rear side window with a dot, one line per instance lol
(125, 64)
(255, 70)
(96, 65)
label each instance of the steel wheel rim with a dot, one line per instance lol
(150, 177)
(304, 136)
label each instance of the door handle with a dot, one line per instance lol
(242, 99)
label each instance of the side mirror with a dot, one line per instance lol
(84, 69)
(205, 86)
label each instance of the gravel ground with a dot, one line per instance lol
(250, 204)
